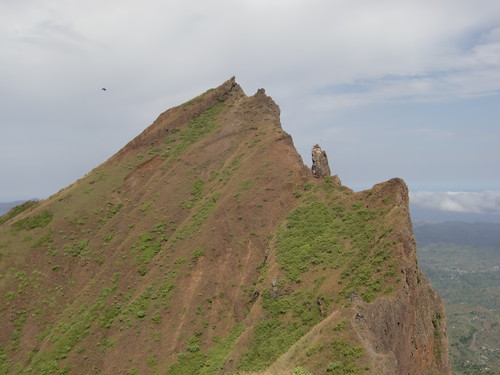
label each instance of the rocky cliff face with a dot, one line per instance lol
(398, 329)
(206, 246)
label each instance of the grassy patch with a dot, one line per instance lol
(344, 358)
(203, 210)
(64, 337)
(146, 247)
(225, 173)
(78, 249)
(289, 318)
(193, 101)
(45, 240)
(141, 307)
(196, 129)
(153, 150)
(311, 236)
(5, 363)
(21, 317)
(195, 361)
(190, 362)
(196, 254)
(108, 212)
(17, 210)
(196, 194)
(245, 185)
(325, 235)
(32, 222)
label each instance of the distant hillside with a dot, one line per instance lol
(206, 246)
(6, 206)
(459, 233)
(462, 261)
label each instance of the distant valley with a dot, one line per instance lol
(6, 206)
(462, 261)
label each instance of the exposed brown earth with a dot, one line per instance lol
(177, 256)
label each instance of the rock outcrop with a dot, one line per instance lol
(320, 167)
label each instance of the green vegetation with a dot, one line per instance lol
(310, 185)
(153, 150)
(225, 173)
(318, 236)
(310, 237)
(108, 237)
(169, 139)
(64, 337)
(196, 193)
(195, 361)
(289, 318)
(19, 321)
(45, 240)
(330, 236)
(193, 101)
(78, 249)
(196, 129)
(152, 303)
(146, 206)
(32, 222)
(202, 211)
(341, 354)
(100, 175)
(107, 213)
(190, 362)
(436, 323)
(196, 254)
(5, 364)
(245, 185)
(343, 358)
(300, 371)
(148, 245)
(17, 210)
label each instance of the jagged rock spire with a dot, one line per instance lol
(320, 167)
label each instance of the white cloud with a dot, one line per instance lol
(154, 54)
(300, 44)
(471, 202)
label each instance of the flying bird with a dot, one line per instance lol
(103, 89)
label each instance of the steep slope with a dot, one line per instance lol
(205, 246)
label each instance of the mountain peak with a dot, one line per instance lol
(207, 241)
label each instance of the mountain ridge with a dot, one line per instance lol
(208, 242)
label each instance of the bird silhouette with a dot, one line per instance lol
(103, 89)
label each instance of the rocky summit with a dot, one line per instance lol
(206, 246)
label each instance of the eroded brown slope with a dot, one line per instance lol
(176, 256)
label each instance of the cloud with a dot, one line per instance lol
(297, 45)
(470, 202)
(316, 58)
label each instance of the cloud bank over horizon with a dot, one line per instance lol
(486, 202)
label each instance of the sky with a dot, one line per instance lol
(389, 88)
